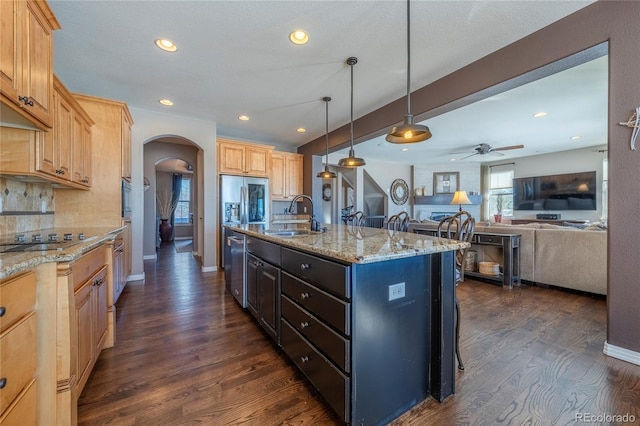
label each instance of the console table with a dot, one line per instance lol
(508, 245)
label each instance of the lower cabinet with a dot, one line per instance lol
(18, 350)
(263, 290)
(316, 324)
(91, 323)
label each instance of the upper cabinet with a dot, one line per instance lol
(110, 153)
(58, 155)
(127, 122)
(26, 62)
(286, 175)
(239, 158)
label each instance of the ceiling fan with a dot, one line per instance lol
(485, 148)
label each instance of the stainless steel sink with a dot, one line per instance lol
(289, 232)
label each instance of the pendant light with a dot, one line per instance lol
(408, 132)
(351, 160)
(327, 174)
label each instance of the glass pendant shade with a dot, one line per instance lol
(351, 160)
(327, 174)
(408, 132)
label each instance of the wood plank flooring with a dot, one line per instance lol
(187, 354)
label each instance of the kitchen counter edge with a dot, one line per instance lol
(372, 245)
(15, 263)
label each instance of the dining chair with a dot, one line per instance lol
(399, 222)
(356, 219)
(461, 227)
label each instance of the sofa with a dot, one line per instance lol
(560, 256)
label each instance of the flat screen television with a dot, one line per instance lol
(570, 191)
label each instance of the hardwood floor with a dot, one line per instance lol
(186, 353)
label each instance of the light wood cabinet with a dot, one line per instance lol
(286, 175)
(90, 300)
(18, 347)
(126, 145)
(108, 141)
(239, 158)
(26, 61)
(57, 155)
(121, 260)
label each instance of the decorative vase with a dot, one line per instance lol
(165, 230)
(497, 217)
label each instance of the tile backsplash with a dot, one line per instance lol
(22, 205)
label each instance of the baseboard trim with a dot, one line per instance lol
(209, 269)
(136, 277)
(621, 353)
(150, 257)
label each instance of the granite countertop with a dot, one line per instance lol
(16, 262)
(356, 245)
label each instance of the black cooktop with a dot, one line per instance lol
(40, 242)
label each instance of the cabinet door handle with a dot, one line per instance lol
(26, 100)
(304, 359)
(3, 382)
(304, 266)
(305, 295)
(304, 324)
(3, 310)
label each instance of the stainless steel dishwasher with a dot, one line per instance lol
(235, 265)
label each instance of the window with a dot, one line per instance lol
(501, 192)
(183, 208)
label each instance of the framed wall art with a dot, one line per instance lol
(445, 182)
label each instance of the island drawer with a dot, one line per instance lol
(264, 250)
(323, 375)
(328, 275)
(17, 297)
(329, 308)
(324, 338)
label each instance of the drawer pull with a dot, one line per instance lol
(304, 324)
(305, 295)
(304, 266)
(304, 359)
(3, 310)
(3, 382)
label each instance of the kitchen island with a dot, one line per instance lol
(366, 314)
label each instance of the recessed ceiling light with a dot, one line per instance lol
(404, 149)
(299, 37)
(453, 159)
(576, 137)
(166, 102)
(243, 117)
(539, 114)
(301, 130)
(166, 45)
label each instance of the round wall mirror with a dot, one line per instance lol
(399, 191)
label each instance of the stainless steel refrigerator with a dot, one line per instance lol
(243, 200)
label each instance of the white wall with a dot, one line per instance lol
(149, 126)
(384, 173)
(578, 160)
(469, 173)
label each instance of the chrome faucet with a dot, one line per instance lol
(315, 225)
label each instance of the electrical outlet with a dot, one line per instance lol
(396, 291)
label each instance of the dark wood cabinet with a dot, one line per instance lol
(263, 292)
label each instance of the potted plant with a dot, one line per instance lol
(166, 205)
(498, 215)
